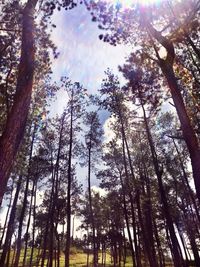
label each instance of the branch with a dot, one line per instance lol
(175, 137)
(166, 43)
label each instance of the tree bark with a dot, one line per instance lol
(189, 135)
(16, 122)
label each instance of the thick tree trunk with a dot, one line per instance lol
(16, 121)
(188, 132)
(189, 135)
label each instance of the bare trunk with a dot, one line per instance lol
(33, 231)
(188, 132)
(69, 176)
(7, 215)
(16, 121)
(10, 228)
(178, 261)
(25, 201)
(189, 135)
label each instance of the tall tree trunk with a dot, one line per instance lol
(190, 192)
(189, 135)
(178, 261)
(159, 247)
(127, 220)
(45, 241)
(33, 230)
(10, 228)
(55, 194)
(25, 201)
(69, 176)
(28, 225)
(95, 259)
(16, 121)
(7, 215)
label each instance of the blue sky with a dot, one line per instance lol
(83, 57)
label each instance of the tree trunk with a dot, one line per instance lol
(22, 215)
(7, 215)
(16, 121)
(95, 256)
(188, 131)
(127, 221)
(10, 228)
(55, 194)
(189, 135)
(28, 225)
(69, 176)
(33, 230)
(178, 261)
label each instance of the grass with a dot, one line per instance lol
(77, 258)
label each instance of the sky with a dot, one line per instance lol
(83, 56)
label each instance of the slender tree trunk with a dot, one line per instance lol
(28, 225)
(178, 261)
(45, 241)
(190, 192)
(138, 259)
(7, 215)
(183, 244)
(159, 247)
(25, 201)
(127, 221)
(33, 230)
(58, 247)
(95, 260)
(16, 121)
(69, 175)
(10, 228)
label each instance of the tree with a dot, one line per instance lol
(145, 27)
(93, 141)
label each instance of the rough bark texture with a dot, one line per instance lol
(16, 121)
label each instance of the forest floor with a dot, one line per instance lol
(77, 259)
